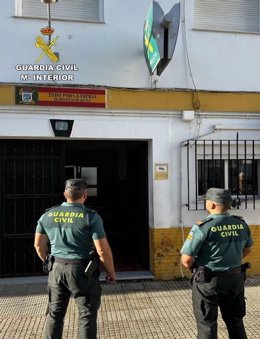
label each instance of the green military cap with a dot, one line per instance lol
(218, 195)
(76, 184)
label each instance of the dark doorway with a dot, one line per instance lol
(119, 193)
(32, 177)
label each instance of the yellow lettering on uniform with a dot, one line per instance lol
(229, 234)
(64, 220)
(66, 214)
(220, 228)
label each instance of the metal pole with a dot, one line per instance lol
(49, 19)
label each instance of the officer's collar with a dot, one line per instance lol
(219, 215)
(72, 204)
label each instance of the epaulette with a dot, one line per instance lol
(50, 208)
(89, 209)
(238, 217)
(203, 222)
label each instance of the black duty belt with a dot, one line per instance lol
(236, 270)
(71, 261)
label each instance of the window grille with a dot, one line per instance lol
(230, 164)
(227, 15)
(76, 10)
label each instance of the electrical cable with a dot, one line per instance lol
(186, 44)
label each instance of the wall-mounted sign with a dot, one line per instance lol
(65, 96)
(161, 172)
(62, 128)
(159, 36)
(60, 96)
(151, 49)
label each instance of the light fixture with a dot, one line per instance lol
(62, 128)
(49, 1)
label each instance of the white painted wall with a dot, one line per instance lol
(111, 54)
(166, 136)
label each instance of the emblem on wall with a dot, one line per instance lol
(26, 96)
(46, 47)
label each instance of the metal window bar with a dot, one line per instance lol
(246, 186)
(196, 173)
(238, 156)
(254, 171)
(188, 172)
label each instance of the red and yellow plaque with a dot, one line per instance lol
(69, 96)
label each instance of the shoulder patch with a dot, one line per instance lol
(203, 222)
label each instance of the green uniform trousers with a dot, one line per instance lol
(67, 280)
(227, 293)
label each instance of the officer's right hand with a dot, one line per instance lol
(111, 278)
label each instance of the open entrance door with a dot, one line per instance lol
(117, 175)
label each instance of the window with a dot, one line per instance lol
(76, 10)
(210, 174)
(231, 164)
(241, 176)
(227, 15)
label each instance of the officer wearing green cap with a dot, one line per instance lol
(213, 251)
(70, 240)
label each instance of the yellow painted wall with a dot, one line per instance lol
(165, 100)
(165, 245)
(7, 95)
(168, 100)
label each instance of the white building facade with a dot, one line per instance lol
(149, 145)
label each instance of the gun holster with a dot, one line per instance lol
(93, 264)
(48, 263)
(244, 268)
(202, 275)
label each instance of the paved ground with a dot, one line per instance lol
(138, 310)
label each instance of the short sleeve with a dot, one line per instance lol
(193, 242)
(97, 228)
(250, 241)
(39, 227)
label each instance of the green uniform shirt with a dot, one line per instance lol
(71, 229)
(218, 242)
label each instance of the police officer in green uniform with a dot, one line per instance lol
(215, 247)
(73, 234)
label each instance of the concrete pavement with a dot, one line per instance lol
(134, 309)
